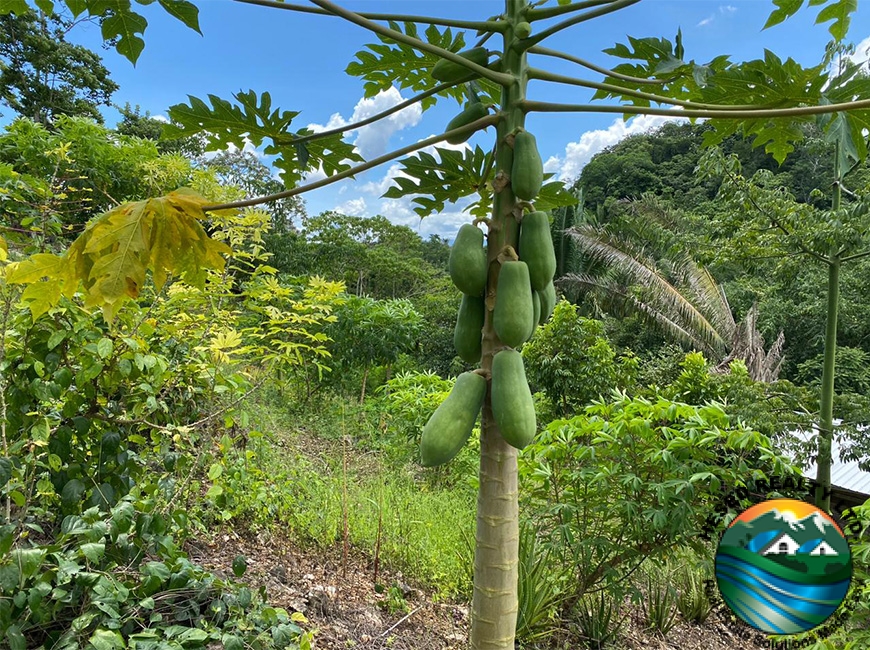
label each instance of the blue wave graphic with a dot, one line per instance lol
(773, 604)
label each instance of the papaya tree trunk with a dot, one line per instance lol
(496, 553)
(826, 401)
(826, 404)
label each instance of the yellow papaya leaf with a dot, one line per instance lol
(4, 250)
(35, 268)
(41, 296)
(114, 253)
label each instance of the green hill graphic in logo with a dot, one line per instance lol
(783, 566)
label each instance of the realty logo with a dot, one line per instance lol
(783, 566)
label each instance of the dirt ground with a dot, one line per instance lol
(340, 600)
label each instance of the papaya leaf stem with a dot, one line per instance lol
(482, 123)
(500, 78)
(545, 51)
(545, 75)
(488, 25)
(534, 14)
(746, 113)
(374, 118)
(574, 20)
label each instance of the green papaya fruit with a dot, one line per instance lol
(512, 405)
(548, 302)
(467, 336)
(451, 424)
(536, 249)
(514, 308)
(467, 262)
(472, 112)
(448, 71)
(536, 306)
(523, 30)
(527, 170)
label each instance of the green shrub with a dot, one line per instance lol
(634, 478)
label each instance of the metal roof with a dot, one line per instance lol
(846, 475)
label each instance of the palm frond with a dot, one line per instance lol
(622, 255)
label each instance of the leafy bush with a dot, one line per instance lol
(115, 578)
(572, 362)
(633, 478)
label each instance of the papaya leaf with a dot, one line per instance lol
(553, 194)
(13, 7)
(252, 120)
(382, 65)
(111, 257)
(837, 12)
(434, 180)
(186, 12)
(121, 24)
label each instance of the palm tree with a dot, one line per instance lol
(636, 263)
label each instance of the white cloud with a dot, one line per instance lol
(705, 22)
(353, 207)
(727, 9)
(372, 140)
(577, 154)
(862, 52)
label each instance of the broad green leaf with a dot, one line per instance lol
(124, 25)
(839, 14)
(46, 6)
(13, 7)
(93, 551)
(186, 12)
(382, 65)
(5, 471)
(554, 195)
(252, 120)
(28, 560)
(107, 640)
(784, 9)
(15, 638)
(448, 176)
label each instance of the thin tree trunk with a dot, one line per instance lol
(826, 406)
(496, 555)
(826, 401)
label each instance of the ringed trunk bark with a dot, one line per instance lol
(496, 556)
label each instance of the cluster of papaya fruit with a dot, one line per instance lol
(525, 298)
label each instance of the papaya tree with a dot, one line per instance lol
(431, 57)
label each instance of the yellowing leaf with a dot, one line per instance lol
(41, 296)
(4, 250)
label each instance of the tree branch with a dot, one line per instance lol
(545, 51)
(589, 15)
(499, 78)
(488, 25)
(544, 75)
(482, 123)
(784, 230)
(747, 113)
(374, 118)
(856, 256)
(553, 12)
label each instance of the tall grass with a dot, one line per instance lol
(299, 484)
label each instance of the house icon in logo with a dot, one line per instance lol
(784, 544)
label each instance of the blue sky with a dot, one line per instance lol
(300, 59)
